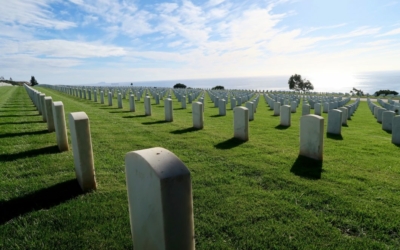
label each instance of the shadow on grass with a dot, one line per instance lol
(42, 199)
(18, 110)
(109, 107)
(134, 116)
(230, 143)
(281, 127)
(30, 153)
(334, 136)
(40, 132)
(307, 168)
(17, 115)
(178, 108)
(387, 131)
(159, 106)
(345, 125)
(16, 123)
(183, 131)
(156, 122)
(122, 111)
(215, 116)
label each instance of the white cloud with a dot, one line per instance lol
(379, 42)
(175, 44)
(312, 29)
(212, 3)
(63, 48)
(391, 33)
(166, 8)
(35, 13)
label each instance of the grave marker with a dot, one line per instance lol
(312, 136)
(82, 150)
(160, 200)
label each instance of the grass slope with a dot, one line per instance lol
(252, 195)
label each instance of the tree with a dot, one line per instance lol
(33, 81)
(179, 86)
(299, 84)
(358, 92)
(131, 83)
(10, 79)
(386, 92)
(218, 87)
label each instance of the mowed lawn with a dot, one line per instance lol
(253, 195)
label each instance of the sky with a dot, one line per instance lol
(89, 41)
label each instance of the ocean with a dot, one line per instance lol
(368, 82)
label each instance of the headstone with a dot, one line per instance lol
(233, 103)
(241, 123)
(132, 106)
(49, 113)
(285, 116)
(222, 107)
(312, 136)
(250, 107)
(202, 101)
(95, 95)
(119, 101)
(60, 126)
(305, 109)
(344, 115)
(82, 150)
(183, 102)
(326, 107)
(380, 114)
(197, 115)
(43, 105)
(317, 108)
(101, 97)
(277, 108)
(169, 117)
(387, 120)
(216, 102)
(147, 106)
(334, 122)
(396, 130)
(376, 109)
(239, 101)
(293, 107)
(160, 200)
(109, 99)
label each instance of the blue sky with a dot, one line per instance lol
(88, 41)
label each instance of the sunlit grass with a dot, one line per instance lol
(251, 195)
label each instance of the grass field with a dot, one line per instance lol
(253, 195)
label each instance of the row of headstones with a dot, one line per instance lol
(238, 96)
(282, 99)
(390, 105)
(311, 131)
(155, 178)
(336, 117)
(389, 119)
(53, 114)
(132, 103)
(191, 94)
(334, 102)
(151, 183)
(86, 93)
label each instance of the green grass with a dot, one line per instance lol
(253, 195)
